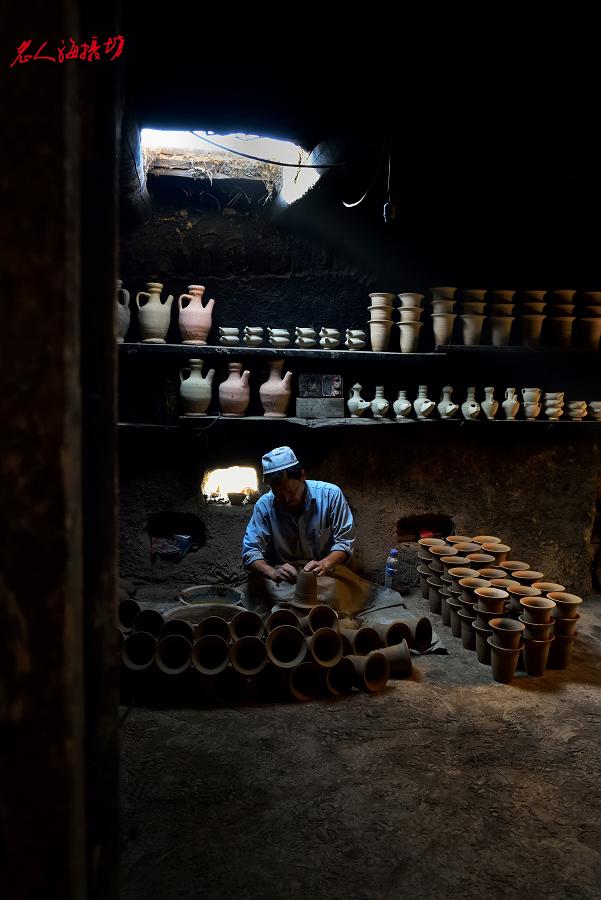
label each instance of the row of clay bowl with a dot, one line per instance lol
(492, 602)
(302, 657)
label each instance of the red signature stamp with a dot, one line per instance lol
(89, 51)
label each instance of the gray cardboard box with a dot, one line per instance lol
(320, 407)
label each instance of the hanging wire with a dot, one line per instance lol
(271, 162)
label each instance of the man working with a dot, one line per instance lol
(299, 523)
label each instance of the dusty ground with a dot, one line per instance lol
(445, 784)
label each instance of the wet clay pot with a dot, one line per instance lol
(246, 624)
(434, 599)
(516, 594)
(491, 599)
(468, 635)
(565, 627)
(498, 550)
(536, 655)
(481, 539)
(138, 650)
(275, 392)
(149, 620)
(537, 609)
(306, 682)
(305, 592)
(536, 631)
(248, 655)
(392, 633)
(364, 640)
(567, 604)
(462, 572)
(482, 645)
(454, 609)
(340, 679)
(234, 393)
(503, 661)
(154, 315)
(424, 574)
(560, 652)
(480, 560)
(527, 576)
(324, 647)
(281, 617)
(506, 632)
(418, 631)
(426, 543)
(371, 672)
(399, 660)
(547, 586)
(214, 625)
(469, 586)
(194, 318)
(320, 616)
(173, 654)
(210, 654)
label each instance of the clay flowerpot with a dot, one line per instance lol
(483, 617)
(440, 550)
(473, 308)
(567, 604)
(122, 318)
(547, 586)
(482, 645)
(536, 631)
(445, 612)
(482, 539)
(379, 313)
(363, 640)
(426, 543)
(286, 646)
(443, 307)
(480, 560)
(281, 617)
(562, 330)
(468, 587)
(320, 616)
(503, 661)
(565, 627)
(443, 293)
(560, 652)
(468, 607)
(275, 392)
(392, 633)
(504, 296)
(434, 599)
(499, 551)
(515, 564)
(138, 650)
(324, 647)
(490, 599)
(468, 635)
(477, 294)
(195, 389)
(379, 335)
(410, 300)
(399, 660)
(462, 572)
(417, 631)
(178, 626)
(149, 620)
(234, 393)
(453, 539)
(340, 679)
(516, 594)
(409, 336)
(210, 654)
(154, 315)
(411, 314)
(382, 299)
(371, 672)
(442, 325)
(506, 632)
(531, 327)
(306, 682)
(424, 574)
(536, 654)
(590, 332)
(194, 318)
(500, 330)
(452, 562)
(246, 624)
(527, 577)
(503, 583)
(493, 572)
(470, 546)
(472, 329)
(532, 308)
(537, 609)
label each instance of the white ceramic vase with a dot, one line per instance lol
(470, 408)
(195, 389)
(402, 407)
(379, 405)
(446, 408)
(423, 406)
(356, 404)
(510, 404)
(489, 404)
(154, 315)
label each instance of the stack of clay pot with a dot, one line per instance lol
(380, 322)
(329, 338)
(553, 401)
(577, 410)
(594, 409)
(565, 619)
(229, 337)
(253, 335)
(306, 337)
(278, 337)
(589, 320)
(443, 317)
(505, 645)
(472, 315)
(560, 312)
(410, 312)
(531, 317)
(500, 317)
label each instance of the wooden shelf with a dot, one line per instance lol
(203, 422)
(277, 353)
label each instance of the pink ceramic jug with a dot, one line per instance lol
(194, 318)
(234, 393)
(275, 392)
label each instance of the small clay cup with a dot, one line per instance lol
(424, 574)
(527, 577)
(567, 604)
(468, 588)
(482, 645)
(515, 596)
(498, 550)
(536, 631)
(537, 609)
(482, 539)
(468, 547)
(458, 539)
(494, 572)
(503, 661)
(512, 564)
(536, 655)
(506, 632)
(454, 608)
(462, 572)
(434, 599)
(480, 560)
(561, 652)
(565, 627)
(491, 599)
(547, 586)
(468, 635)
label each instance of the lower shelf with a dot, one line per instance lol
(203, 422)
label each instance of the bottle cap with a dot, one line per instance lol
(393, 551)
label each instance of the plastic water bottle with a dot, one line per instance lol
(391, 569)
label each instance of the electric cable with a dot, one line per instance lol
(271, 162)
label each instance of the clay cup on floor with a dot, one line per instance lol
(537, 609)
(506, 632)
(567, 604)
(503, 661)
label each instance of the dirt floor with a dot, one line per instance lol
(445, 784)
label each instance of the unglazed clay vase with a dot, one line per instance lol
(379, 405)
(410, 301)
(382, 299)
(472, 328)
(500, 330)
(195, 389)
(234, 393)
(531, 326)
(402, 407)
(562, 330)
(442, 325)
(123, 312)
(470, 408)
(379, 334)
(154, 315)
(446, 408)
(412, 314)
(422, 405)
(490, 405)
(590, 332)
(443, 293)
(409, 336)
(275, 392)
(194, 318)
(510, 404)
(356, 404)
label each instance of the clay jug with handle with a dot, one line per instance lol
(356, 404)
(194, 318)
(195, 389)
(275, 392)
(154, 315)
(234, 393)
(123, 313)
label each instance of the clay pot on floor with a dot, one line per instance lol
(536, 655)
(441, 550)
(462, 572)
(275, 392)
(565, 627)
(454, 609)
(246, 624)
(434, 599)
(426, 543)
(347, 647)
(138, 650)
(560, 652)
(468, 635)
(424, 574)
(173, 654)
(210, 654)
(467, 607)
(214, 625)
(536, 631)
(452, 562)
(494, 572)
(537, 609)
(503, 661)
(286, 646)
(418, 631)
(392, 633)
(491, 599)
(127, 611)
(340, 679)
(499, 551)
(321, 616)
(306, 682)
(234, 393)
(445, 612)
(482, 645)
(178, 626)
(567, 604)
(513, 565)
(364, 640)
(468, 587)
(281, 617)
(149, 620)
(480, 560)
(506, 632)
(527, 577)
(248, 655)
(371, 672)
(399, 660)
(547, 586)
(324, 647)
(481, 539)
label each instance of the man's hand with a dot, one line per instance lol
(285, 572)
(325, 565)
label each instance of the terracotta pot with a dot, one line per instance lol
(490, 599)
(527, 577)
(178, 626)
(532, 308)
(307, 682)
(468, 587)
(379, 313)
(531, 327)
(275, 392)
(499, 551)
(483, 618)
(434, 599)
(382, 299)
(468, 607)
(500, 310)
(340, 679)
(504, 584)
(173, 654)
(474, 294)
(347, 647)
(453, 539)
(393, 633)
(565, 627)
(481, 539)
(409, 336)
(500, 330)
(210, 654)
(472, 329)
(399, 660)
(154, 315)
(482, 645)
(246, 624)
(321, 616)
(138, 650)
(442, 325)
(562, 331)
(547, 586)
(442, 307)
(467, 547)
(426, 543)
(536, 654)
(480, 560)
(504, 296)
(536, 631)
(410, 300)
(567, 604)
(324, 647)
(473, 308)
(444, 609)
(364, 640)
(468, 635)
(424, 574)
(495, 573)
(503, 661)
(248, 655)
(462, 572)
(506, 632)
(443, 293)
(281, 617)
(537, 609)
(371, 672)
(127, 611)
(435, 565)
(410, 314)
(561, 652)
(234, 393)
(379, 335)
(194, 318)
(443, 550)
(454, 609)
(214, 625)
(516, 594)
(149, 620)
(436, 577)
(511, 565)
(590, 332)
(305, 591)
(418, 631)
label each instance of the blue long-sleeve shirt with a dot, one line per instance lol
(277, 536)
